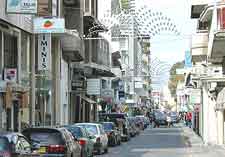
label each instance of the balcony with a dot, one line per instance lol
(197, 6)
(216, 44)
(97, 58)
(71, 41)
(199, 47)
(91, 24)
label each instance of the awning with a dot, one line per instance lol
(88, 100)
(220, 101)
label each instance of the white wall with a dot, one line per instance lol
(64, 93)
(209, 119)
(22, 21)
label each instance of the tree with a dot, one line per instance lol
(175, 78)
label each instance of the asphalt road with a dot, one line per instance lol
(162, 142)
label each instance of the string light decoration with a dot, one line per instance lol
(136, 22)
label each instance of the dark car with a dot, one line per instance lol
(120, 121)
(139, 123)
(15, 145)
(53, 142)
(135, 129)
(160, 118)
(83, 138)
(114, 137)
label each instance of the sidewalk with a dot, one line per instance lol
(191, 138)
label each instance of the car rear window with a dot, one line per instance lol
(75, 131)
(45, 137)
(92, 129)
(107, 126)
(4, 144)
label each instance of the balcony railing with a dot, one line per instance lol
(200, 43)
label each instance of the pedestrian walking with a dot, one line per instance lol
(169, 121)
(189, 119)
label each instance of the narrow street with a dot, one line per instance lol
(162, 142)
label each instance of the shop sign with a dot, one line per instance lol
(10, 74)
(93, 86)
(21, 6)
(49, 25)
(188, 60)
(44, 51)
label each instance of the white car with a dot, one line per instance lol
(98, 135)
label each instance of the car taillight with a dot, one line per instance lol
(82, 142)
(56, 149)
(5, 154)
(98, 140)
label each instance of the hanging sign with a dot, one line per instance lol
(10, 74)
(21, 6)
(49, 25)
(44, 51)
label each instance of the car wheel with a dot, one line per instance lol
(106, 150)
(99, 152)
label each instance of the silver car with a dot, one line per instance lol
(98, 136)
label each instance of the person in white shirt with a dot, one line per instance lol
(169, 120)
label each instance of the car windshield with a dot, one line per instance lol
(107, 126)
(4, 144)
(76, 131)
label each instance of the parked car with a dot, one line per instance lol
(160, 118)
(140, 123)
(53, 142)
(134, 130)
(114, 137)
(120, 121)
(144, 120)
(14, 145)
(98, 135)
(174, 117)
(84, 139)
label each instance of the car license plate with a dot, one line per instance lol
(42, 150)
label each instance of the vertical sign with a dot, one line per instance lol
(188, 63)
(44, 51)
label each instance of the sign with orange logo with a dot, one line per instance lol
(49, 25)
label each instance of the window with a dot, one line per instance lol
(4, 144)
(10, 51)
(87, 6)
